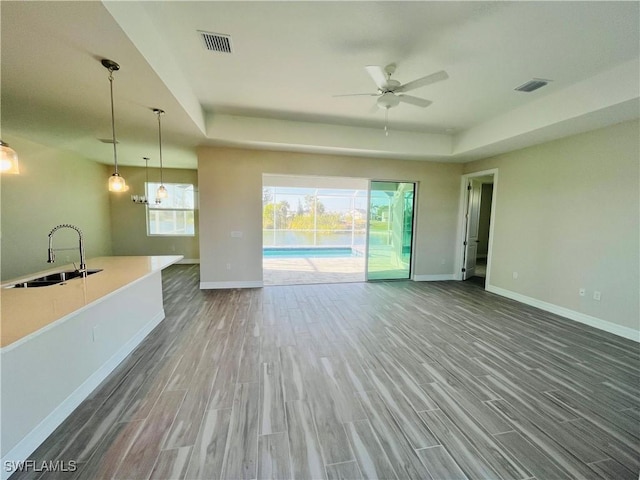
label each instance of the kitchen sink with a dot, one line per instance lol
(53, 279)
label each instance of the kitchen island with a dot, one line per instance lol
(60, 341)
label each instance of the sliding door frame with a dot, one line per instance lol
(414, 217)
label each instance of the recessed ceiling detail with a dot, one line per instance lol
(254, 98)
(216, 42)
(532, 85)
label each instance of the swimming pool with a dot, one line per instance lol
(309, 252)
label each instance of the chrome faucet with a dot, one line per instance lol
(52, 255)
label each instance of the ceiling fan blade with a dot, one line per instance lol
(357, 95)
(418, 102)
(422, 82)
(378, 75)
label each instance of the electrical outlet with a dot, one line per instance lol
(582, 292)
(515, 275)
(228, 266)
(596, 295)
(94, 333)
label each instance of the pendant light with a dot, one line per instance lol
(162, 192)
(116, 182)
(8, 159)
(143, 199)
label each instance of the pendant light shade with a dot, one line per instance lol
(116, 181)
(8, 159)
(162, 192)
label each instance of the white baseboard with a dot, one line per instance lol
(227, 285)
(434, 278)
(189, 261)
(598, 323)
(39, 434)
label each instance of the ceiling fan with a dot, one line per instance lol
(391, 92)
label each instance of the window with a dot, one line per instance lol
(311, 216)
(175, 215)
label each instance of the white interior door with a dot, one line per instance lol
(474, 195)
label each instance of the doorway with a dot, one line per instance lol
(390, 230)
(478, 204)
(336, 229)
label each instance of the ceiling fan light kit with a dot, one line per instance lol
(388, 100)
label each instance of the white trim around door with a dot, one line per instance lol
(462, 222)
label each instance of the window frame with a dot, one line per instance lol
(153, 207)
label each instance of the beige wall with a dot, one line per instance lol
(567, 217)
(129, 220)
(54, 187)
(231, 200)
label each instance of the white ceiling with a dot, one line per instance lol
(276, 90)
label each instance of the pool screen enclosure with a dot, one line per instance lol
(318, 217)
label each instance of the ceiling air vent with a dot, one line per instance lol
(532, 85)
(216, 42)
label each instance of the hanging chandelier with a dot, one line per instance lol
(144, 199)
(116, 182)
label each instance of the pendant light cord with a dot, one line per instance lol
(113, 122)
(386, 122)
(160, 112)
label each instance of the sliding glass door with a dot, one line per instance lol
(390, 230)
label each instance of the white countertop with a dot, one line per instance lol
(24, 311)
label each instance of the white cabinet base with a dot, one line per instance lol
(47, 376)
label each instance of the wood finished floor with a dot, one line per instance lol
(390, 380)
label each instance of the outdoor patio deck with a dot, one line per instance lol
(297, 271)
